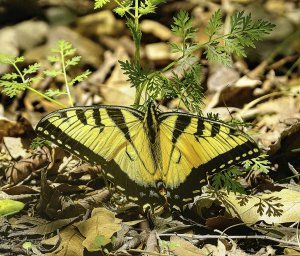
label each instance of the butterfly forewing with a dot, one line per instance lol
(111, 136)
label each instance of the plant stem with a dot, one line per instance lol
(137, 56)
(32, 89)
(46, 97)
(65, 77)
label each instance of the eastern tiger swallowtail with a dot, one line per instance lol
(151, 157)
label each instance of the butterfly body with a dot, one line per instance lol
(152, 157)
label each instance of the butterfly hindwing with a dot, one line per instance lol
(194, 147)
(113, 137)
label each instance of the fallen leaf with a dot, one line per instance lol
(99, 229)
(182, 247)
(71, 243)
(45, 229)
(276, 207)
(157, 29)
(9, 207)
(117, 90)
(99, 24)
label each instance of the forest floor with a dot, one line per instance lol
(51, 203)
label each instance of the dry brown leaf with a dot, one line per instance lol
(152, 243)
(71, 243)
(25, 167)
(116, 90)
(44, 229)
(15, 147)
(182, 247)
(99, 24)
(157, 29)
(292, 252)
(21, 190)
(99, 229)
(221, 77)
(56, 205)
(288, 204)
(278, 118)
(18, 128)
(160, 52)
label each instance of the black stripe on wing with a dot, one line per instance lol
(182, 122)
(117, 117)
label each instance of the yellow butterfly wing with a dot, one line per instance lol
(111, 136)
(193, 147)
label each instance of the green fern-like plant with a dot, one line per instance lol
(62, 58)
(186, 80)
(16, 82)
(63, 55)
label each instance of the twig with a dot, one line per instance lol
(148, 252)
(204, 237)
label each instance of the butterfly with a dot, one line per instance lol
(152, 157)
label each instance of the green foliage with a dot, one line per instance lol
(31, 69)
(53, 72)
(100, 3)
(149, 6)
(188, 88)
(81, 77)
(14, 83)
(185, 82)
(214, 116)
(226, 179)
(137, 77)
(183, 27)
(124, 8)
(130, 8)
(155, 88)
(12, 89)
(152, 82)
(259, 163)
(296, 150)
(63, 56)
(38, 142)
(62, 59)
(214, 25)
(133, 11)
(243, 33)
(54, 93)
(135, 31)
